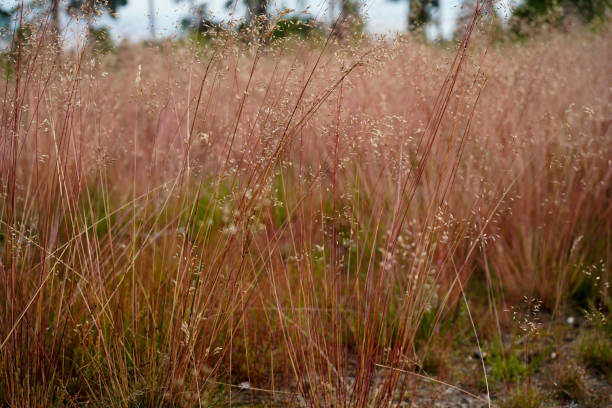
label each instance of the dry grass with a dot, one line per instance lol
(301, 217)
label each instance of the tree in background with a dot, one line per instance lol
(533, 13)
(199, 22)
(5, 17)
(52, 9)
(91, 8)
(257, 9)
(488, 18)
(55, 9)
(152, 18)
(23, 14)
(97, 37)
(6, 13)
(348, 19)
(420, 13)
(351, 22)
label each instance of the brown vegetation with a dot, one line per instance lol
(301, 218)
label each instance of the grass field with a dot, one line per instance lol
(307, 223)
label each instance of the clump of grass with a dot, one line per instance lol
(571, 385)
(524, 397)
(216, 246)
(595, 348)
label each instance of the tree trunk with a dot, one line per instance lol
(55, 24)
(152, 18)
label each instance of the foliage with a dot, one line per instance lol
(532, 13)
(100, 40)
(5, 16)
(351, 23)
(257, 8)
(299, 25)
(200, 24)
(506, 366)
(93, 7)
(421, 13)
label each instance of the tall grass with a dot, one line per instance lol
(182, 225)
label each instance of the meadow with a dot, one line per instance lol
(307, 222)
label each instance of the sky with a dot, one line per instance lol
(382, 16)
